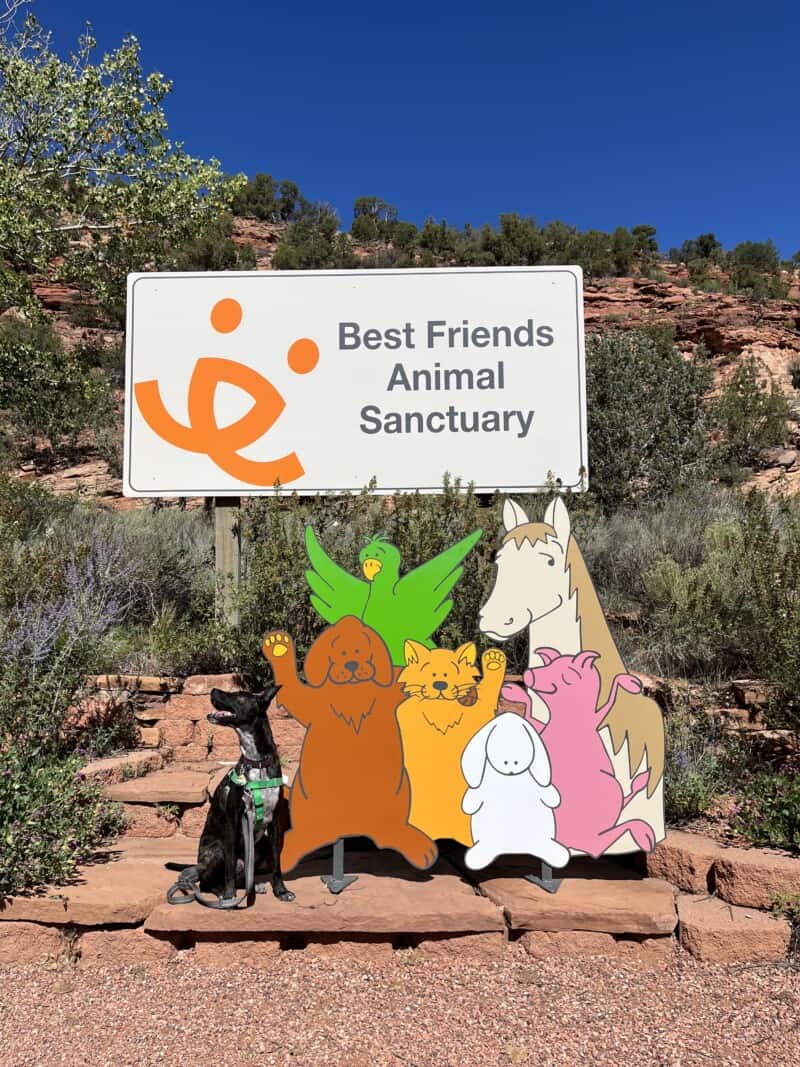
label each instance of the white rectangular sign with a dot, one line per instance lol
(322, 380)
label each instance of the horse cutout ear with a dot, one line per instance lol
(540, 768)
(513, 515)
(467, 653)
(414, 651)
(557, 516)
(473, 758)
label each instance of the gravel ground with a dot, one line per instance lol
(311, 1011)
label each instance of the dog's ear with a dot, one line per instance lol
(473, 758)
(267, 695)
(381, 659)
(318, 660)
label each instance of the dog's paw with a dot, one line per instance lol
(260, 887)
(493, 660)
(287, 896)
(277, 644)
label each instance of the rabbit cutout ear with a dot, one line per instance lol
(473, 758)
(540, 768)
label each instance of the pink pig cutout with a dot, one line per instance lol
(592, 799)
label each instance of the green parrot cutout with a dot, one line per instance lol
(412, 607)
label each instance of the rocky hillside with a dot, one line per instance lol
(730, 327)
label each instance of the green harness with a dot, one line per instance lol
(256, 789)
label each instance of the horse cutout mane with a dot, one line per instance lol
(634, 717)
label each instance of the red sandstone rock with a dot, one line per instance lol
(191, 753)
(202, 684)
(122, 948)
(121, 768)
(27, 942)
(149, 736)
(388, 899)
(193, 820)
(467, 946)
(177, 731)
(363, 951)
(716, 932)
(755, 877)
(123, 890)
(170, 788)
(686, 860)
(546, 943)
(225, 952)
(616, 905)
(146, 820)
(185, 706)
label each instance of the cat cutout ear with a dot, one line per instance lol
(467, 654)
(414, 652)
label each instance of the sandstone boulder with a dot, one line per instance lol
(716, 932)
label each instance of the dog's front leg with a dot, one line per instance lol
(233, 805)
(275, 843)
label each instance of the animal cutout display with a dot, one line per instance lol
(351, 781)
(436, 725)
(406, 743)
(511, 798)
(399, 609)
(604, 738)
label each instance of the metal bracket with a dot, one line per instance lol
(338, 880)
(545, 879)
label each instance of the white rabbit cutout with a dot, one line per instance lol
(510, 798)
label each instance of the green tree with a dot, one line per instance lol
(750, 414)
(313, 242)
(645, 416)
(89, 178)
(623, 247)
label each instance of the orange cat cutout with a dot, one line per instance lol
(436, 727)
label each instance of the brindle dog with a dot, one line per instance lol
(221, 855)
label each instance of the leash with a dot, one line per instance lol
(186, 888)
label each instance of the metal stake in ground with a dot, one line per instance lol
(338, 880)
(545, 879)
(227, 558)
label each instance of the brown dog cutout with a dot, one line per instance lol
(351, 781)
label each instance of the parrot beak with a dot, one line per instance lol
(371, 567)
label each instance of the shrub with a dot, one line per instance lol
(698, 767)
(645, 417)
(738, 609)
(50, 819)
(750, 414)
(45, 390)
(769, 809)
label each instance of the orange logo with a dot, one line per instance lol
(223, 443)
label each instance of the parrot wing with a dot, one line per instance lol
(334, 591)
(423, 594)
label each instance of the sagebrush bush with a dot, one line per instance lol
(750, 414)
(699, 765)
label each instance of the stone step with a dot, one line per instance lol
(123, 885)
(128, 766)
(717, 932)
(389, 899)
(748, 877)
(595, 896)
(171, 787)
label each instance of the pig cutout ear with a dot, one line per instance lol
(557, 516)
(513, 515)
(586, 659)
(473, 758)
(547, 655)
(540, 768)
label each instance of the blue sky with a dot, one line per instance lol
(685, 116)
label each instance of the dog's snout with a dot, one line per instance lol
(351, 664)
(440, 685)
